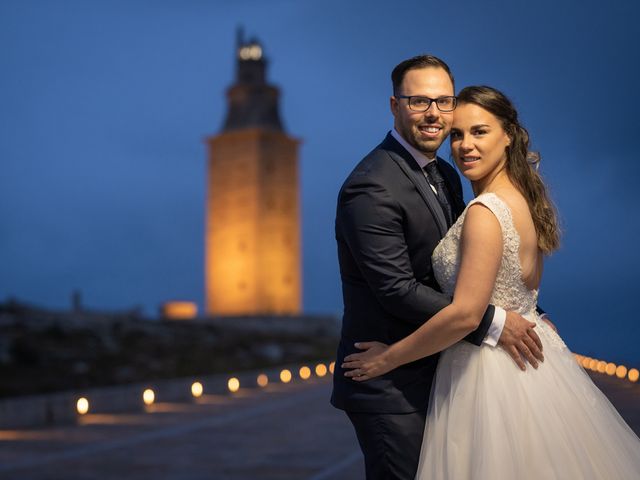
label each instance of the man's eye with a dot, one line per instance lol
(420, 102)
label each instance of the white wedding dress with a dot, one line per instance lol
(489, 420)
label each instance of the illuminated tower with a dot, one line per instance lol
(252, 244)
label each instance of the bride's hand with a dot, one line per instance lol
(372, 362)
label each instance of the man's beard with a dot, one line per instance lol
(427, 147)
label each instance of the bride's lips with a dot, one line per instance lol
(429, 131)
(467, 160)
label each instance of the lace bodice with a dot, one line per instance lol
(509, 291)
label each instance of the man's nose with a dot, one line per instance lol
(432, 111)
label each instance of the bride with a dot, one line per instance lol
(487, 419)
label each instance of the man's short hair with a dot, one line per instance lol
(420, 61)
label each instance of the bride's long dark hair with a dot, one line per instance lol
(521, 172)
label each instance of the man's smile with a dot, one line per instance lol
(430, 130)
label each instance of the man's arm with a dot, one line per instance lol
(372, 227)
(481, 249)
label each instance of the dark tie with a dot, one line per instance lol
(436, 179)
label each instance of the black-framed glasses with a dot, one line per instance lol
(419, 103)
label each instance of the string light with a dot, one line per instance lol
(82, 405)
(285, 376)
(321, 370)
(148, 396)
(621, 371)
(233, 384)
(305, 372)
(609, 368)
(262, 380)
(197, 389)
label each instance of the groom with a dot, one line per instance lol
(393, 209)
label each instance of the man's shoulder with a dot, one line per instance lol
(379, 163)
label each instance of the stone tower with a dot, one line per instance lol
(252, 244)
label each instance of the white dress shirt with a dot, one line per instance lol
(499, 315)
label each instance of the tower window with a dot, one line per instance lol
(250, 52)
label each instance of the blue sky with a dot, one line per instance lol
(104, 108)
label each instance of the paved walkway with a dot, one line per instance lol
(281, 432)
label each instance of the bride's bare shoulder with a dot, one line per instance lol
(516, 203)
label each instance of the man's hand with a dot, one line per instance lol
(519, 340)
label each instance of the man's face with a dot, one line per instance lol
(425, 131)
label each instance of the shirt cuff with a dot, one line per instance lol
(495, 329)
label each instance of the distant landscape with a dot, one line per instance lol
(44, 351)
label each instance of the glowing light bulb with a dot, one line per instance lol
(262, 380)
(82, 406)
(285, 376)
(633, 375)
(332, 366)
(197, 389)
(148, 396)
(602, 366)
(233, 384)
(321, 370)
(621, 371)
(593, 364)
(305, 373)
(611, 369)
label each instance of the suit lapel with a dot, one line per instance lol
(413, 171)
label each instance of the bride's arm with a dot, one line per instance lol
(480, 258)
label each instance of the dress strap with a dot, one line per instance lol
(501, 210)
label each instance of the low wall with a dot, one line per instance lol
(60, 408)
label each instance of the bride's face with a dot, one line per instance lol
(478, 142)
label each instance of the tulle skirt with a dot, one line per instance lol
(489, 420)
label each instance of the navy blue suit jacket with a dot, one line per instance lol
(388, 222)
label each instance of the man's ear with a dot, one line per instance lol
(393, 105)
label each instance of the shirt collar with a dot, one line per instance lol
(417, 155)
